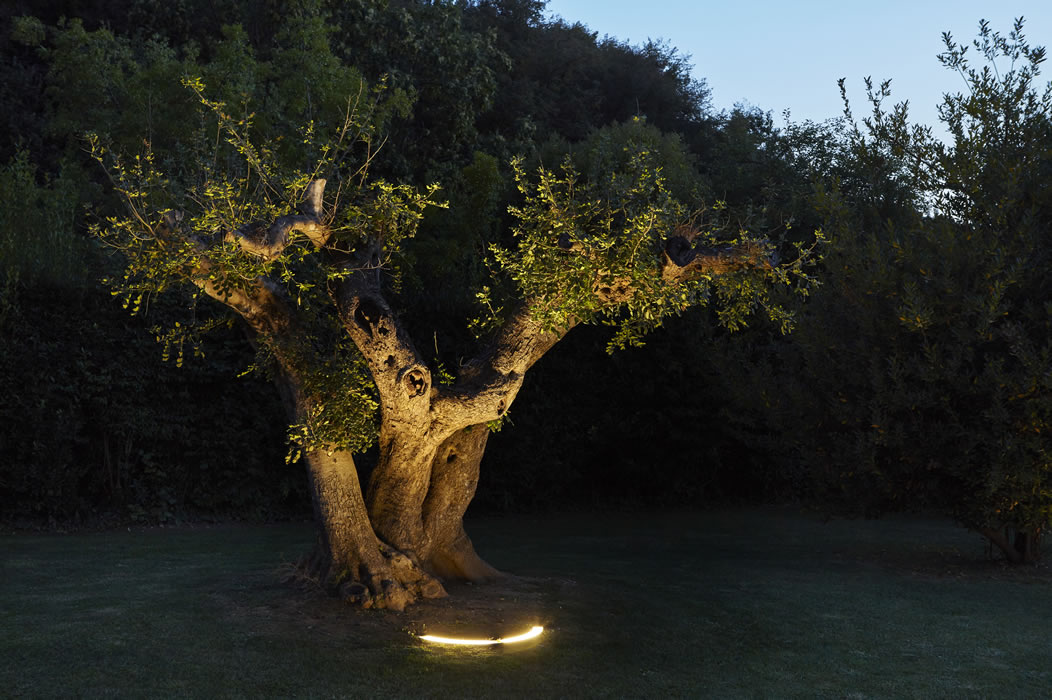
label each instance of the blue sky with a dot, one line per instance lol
(778, 55)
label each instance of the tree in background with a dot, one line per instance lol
(919, 376)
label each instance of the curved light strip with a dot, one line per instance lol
(535, 631)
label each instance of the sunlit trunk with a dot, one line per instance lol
(418, 496)
(454, 478)
(351, 559)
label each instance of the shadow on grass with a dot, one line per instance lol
(747, 603)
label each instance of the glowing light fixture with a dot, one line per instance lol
(535, 631)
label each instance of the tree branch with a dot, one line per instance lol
(269, 242)
(488, 384)
(998, 538)
(682, 261)
(397, 369)
(262, 304)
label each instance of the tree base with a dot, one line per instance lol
(458, 560)
(391, 583)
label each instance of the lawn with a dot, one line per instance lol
(740, 603)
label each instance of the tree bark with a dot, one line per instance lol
(351, 559)
(429, 453)
(454, 478)
(432, 438)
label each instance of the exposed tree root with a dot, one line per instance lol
(392, 582)
(458, 560)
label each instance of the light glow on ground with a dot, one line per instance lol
(534, 631)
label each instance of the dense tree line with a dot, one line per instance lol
(916, 375)
(919, 376)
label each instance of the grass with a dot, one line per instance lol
(750, 603)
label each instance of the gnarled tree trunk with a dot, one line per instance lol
(432, 438)
(350, 558)
(454, 477)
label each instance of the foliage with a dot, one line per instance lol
(38, 244)
(569, 81)
(446, 69)
(608, 149)
(102, 428)
(93, 424)
(106, 83)
(927, 356)
(246, 183)
(592, 251)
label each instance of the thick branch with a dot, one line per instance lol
(1001, 541)
(269, 241)
(407, 444)
(682, 261)
(352, 558)
(400, 374)
(489, 383)
(263, 303)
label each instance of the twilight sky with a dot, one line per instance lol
(789, 54)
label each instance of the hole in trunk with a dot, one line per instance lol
(679, 251)
(415, 383)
